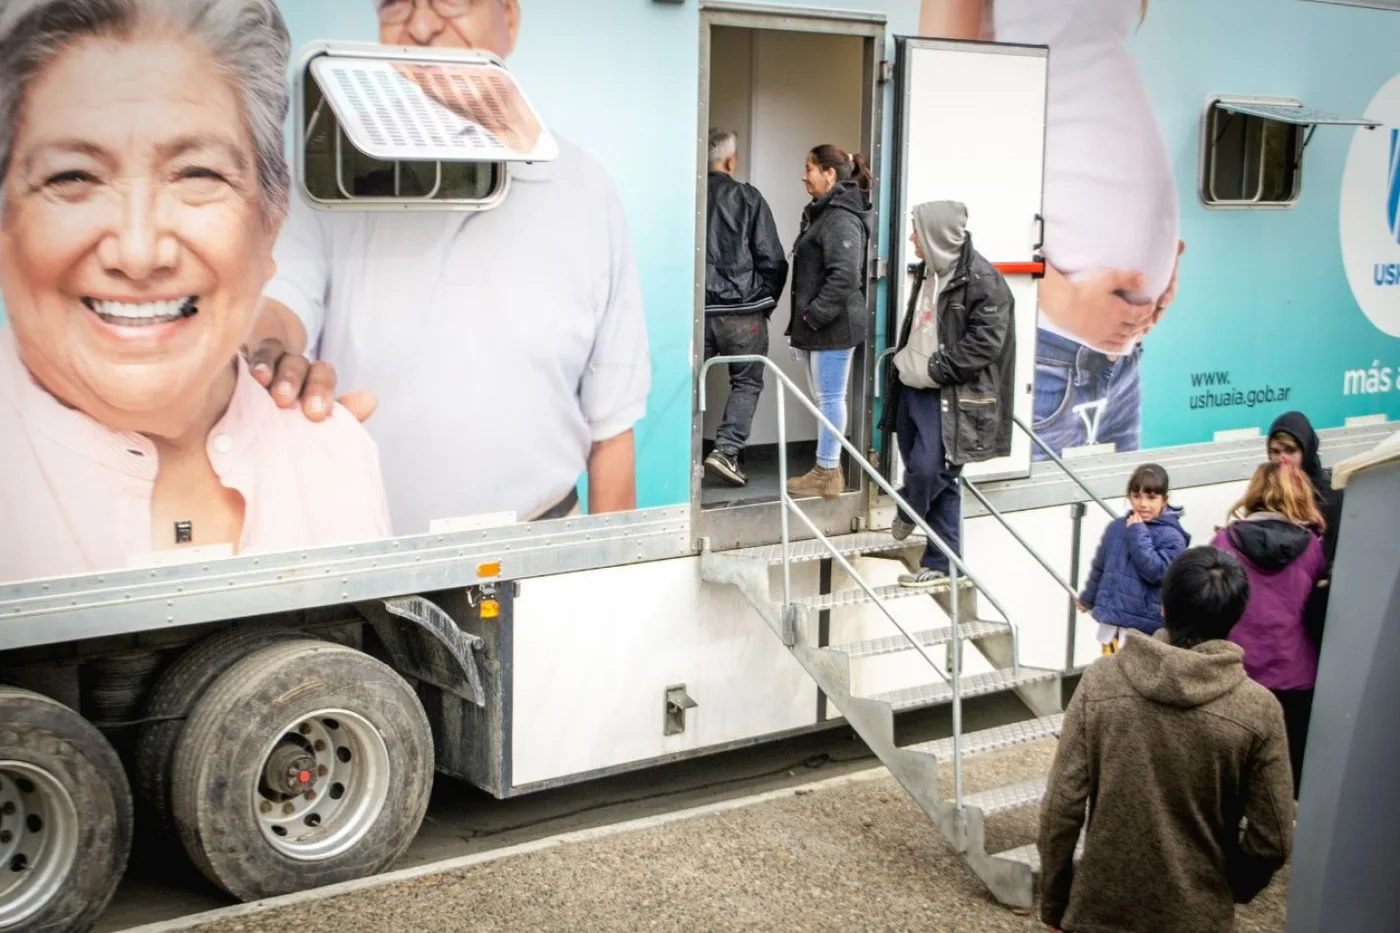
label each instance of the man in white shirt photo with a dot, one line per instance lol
(495, 356)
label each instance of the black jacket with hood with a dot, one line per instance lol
(1329, 501)
(828, 271)
(745, 267)
(976, 360)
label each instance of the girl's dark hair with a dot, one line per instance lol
(1150, 479)
(847, 167)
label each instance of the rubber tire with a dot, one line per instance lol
(45, 733)
(175, 694)
(218, 760)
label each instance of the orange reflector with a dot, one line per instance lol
(493, 569)
(490, 609)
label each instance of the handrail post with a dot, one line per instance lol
(784, 503)
(956, 683)
(1077, 511)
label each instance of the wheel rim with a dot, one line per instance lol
(322, 785)
(38, 839)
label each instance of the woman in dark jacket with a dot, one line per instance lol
(1292, 439)
(828, 298)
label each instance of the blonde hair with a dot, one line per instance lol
(1281, 488)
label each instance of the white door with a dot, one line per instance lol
(971, 128)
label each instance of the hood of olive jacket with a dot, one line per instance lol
(1181, 677)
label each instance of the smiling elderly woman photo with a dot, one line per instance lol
(142, 186)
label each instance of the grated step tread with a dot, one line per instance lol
(893, 644)
(810, 549)
(992, 740)
(975, 685)
(1029, 855)
(1008, 797)
(886, 593)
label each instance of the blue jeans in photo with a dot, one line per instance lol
(829, 377)
(1084, 397)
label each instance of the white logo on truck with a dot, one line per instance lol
(1370, 212)
(1369, 223)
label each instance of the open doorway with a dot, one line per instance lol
(784, 85)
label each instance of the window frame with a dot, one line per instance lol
(1211, 116)
(304, 123)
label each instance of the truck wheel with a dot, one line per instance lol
(175, 694)
(304, 764)
(65, 816)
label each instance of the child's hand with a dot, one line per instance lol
(1133, 519)
(1080, 604)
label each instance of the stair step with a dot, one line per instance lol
(1009, 797)
(992, 740)
(972, 686)
(810, 549)
(887, 593)
(893, 644)
(1029, 855)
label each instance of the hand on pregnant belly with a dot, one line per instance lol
(1169, 295)
(1092, 307)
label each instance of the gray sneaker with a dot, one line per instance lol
(726, 468)
(923, 580)
(900, 529)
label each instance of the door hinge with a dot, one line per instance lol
(882, 268)
(886, 72)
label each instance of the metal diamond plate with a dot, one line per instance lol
(991, 740)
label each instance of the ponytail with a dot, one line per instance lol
(847, 167)
(861, 174)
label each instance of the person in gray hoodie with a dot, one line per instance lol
(1178, 764)
(950, 392)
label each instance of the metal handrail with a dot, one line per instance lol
(955, 564)
(954, 561)
(1039, 442)
(1029, 548)
(879, 366)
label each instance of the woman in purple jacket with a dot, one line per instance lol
(1274, 532)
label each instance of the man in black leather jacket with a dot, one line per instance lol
(745, 271)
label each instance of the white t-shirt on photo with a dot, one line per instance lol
(1110, 196)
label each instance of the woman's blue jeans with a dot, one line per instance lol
(829, 377)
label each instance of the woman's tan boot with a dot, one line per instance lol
(819, 481)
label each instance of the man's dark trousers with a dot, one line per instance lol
(930, 482)
(743, 334)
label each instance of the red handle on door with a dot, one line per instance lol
(1035, 268)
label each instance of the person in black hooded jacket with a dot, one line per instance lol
(1292, 438)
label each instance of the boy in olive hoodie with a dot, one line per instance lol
(1168, 749)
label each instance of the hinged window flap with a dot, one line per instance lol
(432, 110)
(1292, 113)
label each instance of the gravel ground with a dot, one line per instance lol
(853, 858)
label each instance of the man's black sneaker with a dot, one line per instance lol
(723, 466)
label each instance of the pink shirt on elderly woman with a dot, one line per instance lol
(75, 496)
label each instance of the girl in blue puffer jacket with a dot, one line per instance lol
(1125, 585)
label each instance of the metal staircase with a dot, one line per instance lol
(959, 817)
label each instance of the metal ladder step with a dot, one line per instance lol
(893, 644)
(885, 593)
(993, 740)
(810, 549)
(1010, 797)
(1029, 855)
(975, 685)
